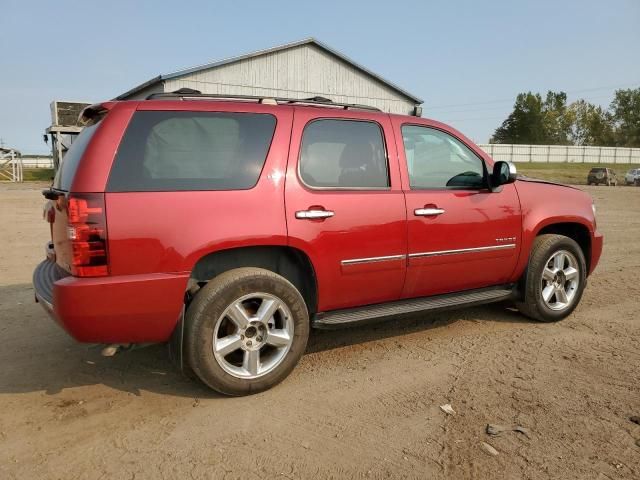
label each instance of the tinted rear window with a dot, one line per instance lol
(66, 172)
(167, 150)
(598, 170)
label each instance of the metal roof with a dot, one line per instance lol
(306, 41)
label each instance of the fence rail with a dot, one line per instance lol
(10, 165)
(37, 162)
(562, 154)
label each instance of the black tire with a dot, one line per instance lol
(532, 304)
(208, 306)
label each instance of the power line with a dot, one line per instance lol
(468, 119)
(503, 100)
(484, 109)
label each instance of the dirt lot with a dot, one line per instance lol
(363, 403)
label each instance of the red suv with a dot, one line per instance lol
(229, 227)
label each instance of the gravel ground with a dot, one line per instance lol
(363, 403)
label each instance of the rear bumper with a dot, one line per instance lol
(114, 309)
(44, 277)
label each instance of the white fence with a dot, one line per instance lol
(562, 154)
(500, 151)
(37, 162)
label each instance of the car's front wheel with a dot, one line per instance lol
(245, 331)
(554, 280)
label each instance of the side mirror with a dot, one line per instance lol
(503, 173)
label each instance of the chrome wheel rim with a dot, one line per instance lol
(560, 280)
(253, 335)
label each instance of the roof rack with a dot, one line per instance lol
(188, 93)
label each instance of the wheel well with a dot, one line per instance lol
(575, 231)
(291, 263)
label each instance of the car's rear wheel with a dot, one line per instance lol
(245, 331)
(554, 280)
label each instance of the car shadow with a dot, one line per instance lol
(39, 356)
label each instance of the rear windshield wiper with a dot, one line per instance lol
(51, 194)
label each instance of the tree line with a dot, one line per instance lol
(550, 121)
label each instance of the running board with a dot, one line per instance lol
(350, 316)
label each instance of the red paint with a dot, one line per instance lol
(156, 238)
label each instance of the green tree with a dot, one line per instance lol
(557, 119)
(525, 124)
(591, 125)
(537, 121)
(625, 111)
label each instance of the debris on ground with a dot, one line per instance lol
(448, 409)
(495, 430)
(635, 419)
(488, 449)
(523, 431)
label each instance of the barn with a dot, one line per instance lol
(303, 69)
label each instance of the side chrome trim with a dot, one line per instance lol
(462, 250)
(358, 261)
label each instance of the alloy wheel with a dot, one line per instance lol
(253, 335)
(560, 280)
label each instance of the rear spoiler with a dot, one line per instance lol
(94, 113)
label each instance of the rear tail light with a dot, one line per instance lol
(87, 232)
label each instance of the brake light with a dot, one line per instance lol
(87, 233)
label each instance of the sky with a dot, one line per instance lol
(467, 59)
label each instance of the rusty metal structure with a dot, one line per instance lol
(64, 127)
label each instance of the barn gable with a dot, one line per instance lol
(297, 70)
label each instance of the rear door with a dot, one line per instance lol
(461, 235)
(345, 207)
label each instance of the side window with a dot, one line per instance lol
(343, 154)
(435, 159)
(169, 150)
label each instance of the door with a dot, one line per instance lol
(345, 206)
(461, 235)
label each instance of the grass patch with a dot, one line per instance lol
(37, 174)
(572, 173)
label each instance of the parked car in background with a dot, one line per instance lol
(632, 177)
(229, 228)
(602, 175)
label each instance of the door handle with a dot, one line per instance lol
(427, 212)
(314, 214)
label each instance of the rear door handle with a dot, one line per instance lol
(314, 214)
(427, 212)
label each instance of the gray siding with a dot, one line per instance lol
(298, 72)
